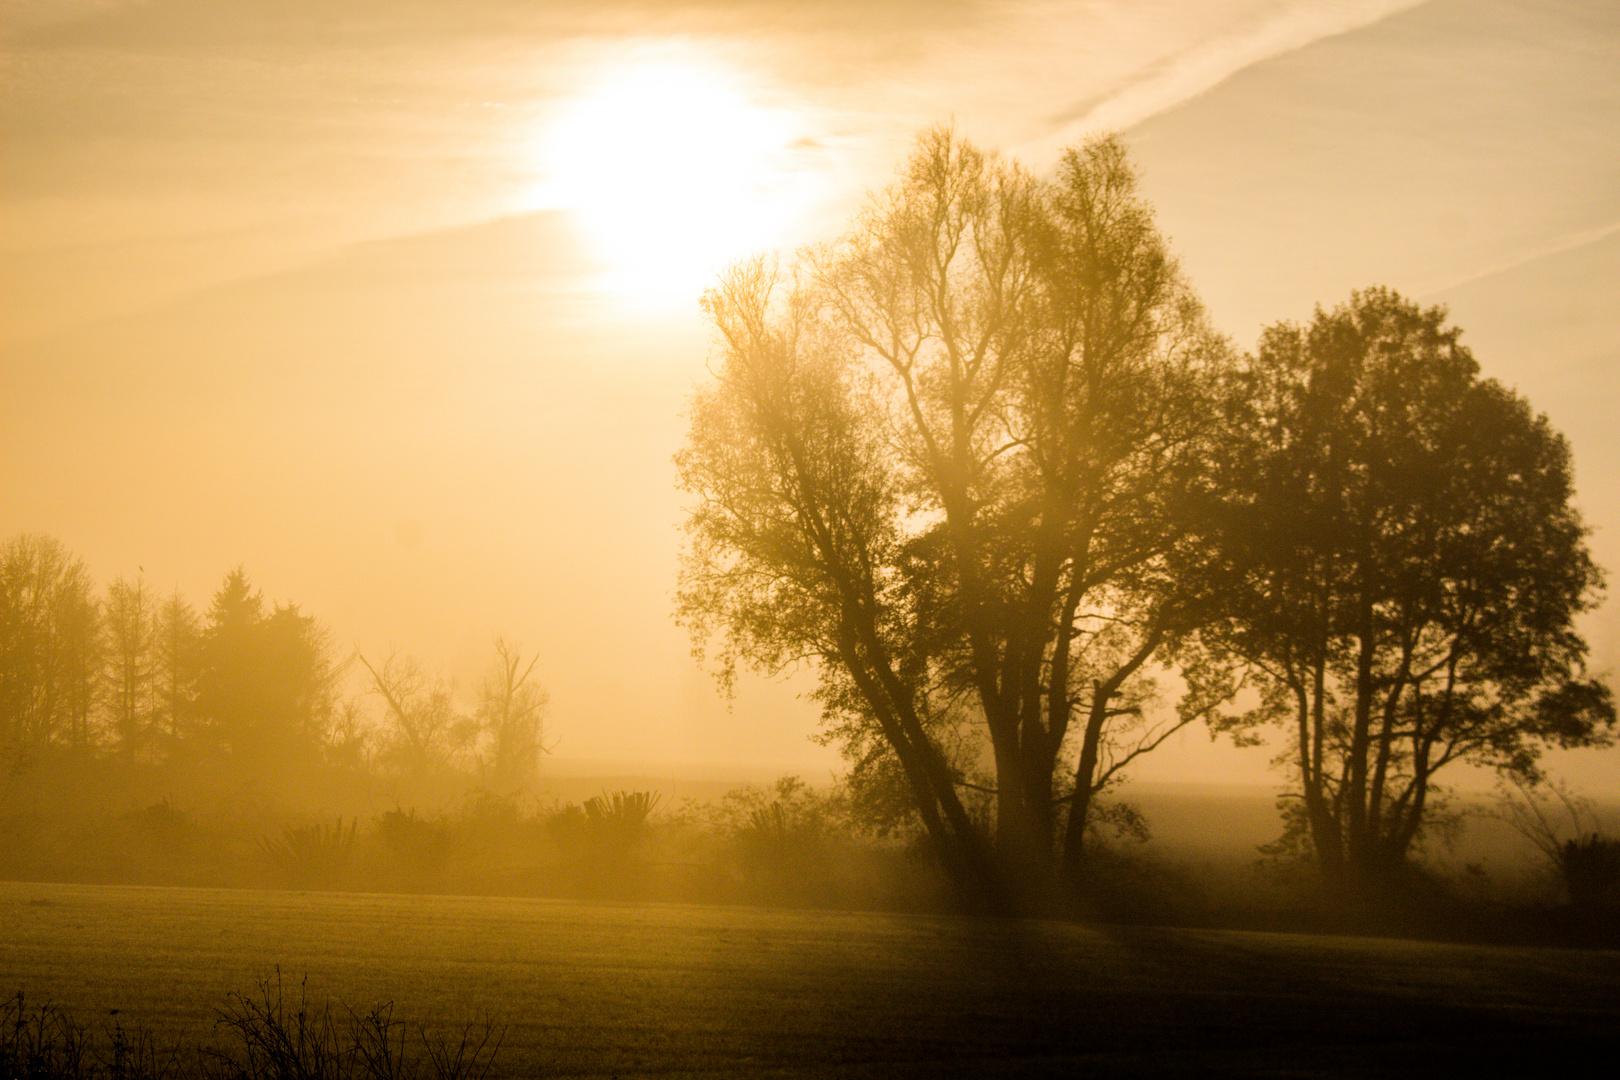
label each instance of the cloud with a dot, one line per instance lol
(1547, 247)
(257, 25)
(1192, 71)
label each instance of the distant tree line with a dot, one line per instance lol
(131, 674)
(983, 464)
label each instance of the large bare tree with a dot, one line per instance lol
(511, 713)
(425, 730)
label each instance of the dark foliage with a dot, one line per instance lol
(1397, 557)
(1591, 870)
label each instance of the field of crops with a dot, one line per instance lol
(602, 990)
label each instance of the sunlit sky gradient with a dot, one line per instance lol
(395, 304)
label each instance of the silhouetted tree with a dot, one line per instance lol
(1399, 559)
(50, 650)
(350, 741)
(232, 688)
(130, 674)
(948, 459)
(426, 731)
(265, 684)
(177, 661)
(511, 712)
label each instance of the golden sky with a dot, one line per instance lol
(395, 303)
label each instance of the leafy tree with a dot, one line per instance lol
(264, 689)
(1399, 560)
(948, 459)
(50, 650)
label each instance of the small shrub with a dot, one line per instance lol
(46, 1042)
(1587, 863)
(314, 856)
(617, 821)
(598, 842)
(305, 1045)
(606, 824)
(163, 827)
(784, 840)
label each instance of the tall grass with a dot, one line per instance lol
(266, 1036)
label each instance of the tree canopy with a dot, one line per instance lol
(983, 463)
(266, 680)
(1398, 556)
(950, 459)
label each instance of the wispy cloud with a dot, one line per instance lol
(1191, 71)
(1546, 248)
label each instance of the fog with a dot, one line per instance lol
(291, 298)
(379, 381)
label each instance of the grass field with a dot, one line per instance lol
(602, 990)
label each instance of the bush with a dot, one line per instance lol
(599, 842)
(782, 838)
(1588, 862)
(617, 822)
(40, 1043)
(313, 856)
(317, 1044)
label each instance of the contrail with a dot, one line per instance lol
(1192, 71)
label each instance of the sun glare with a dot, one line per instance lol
(674, 170)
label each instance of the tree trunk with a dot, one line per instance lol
(1359, 842)
(1327, 839)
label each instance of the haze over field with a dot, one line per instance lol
(397, 309)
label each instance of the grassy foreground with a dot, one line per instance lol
(601, 990)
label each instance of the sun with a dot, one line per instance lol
(674, 169)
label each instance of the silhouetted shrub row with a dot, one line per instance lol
(784, 845)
